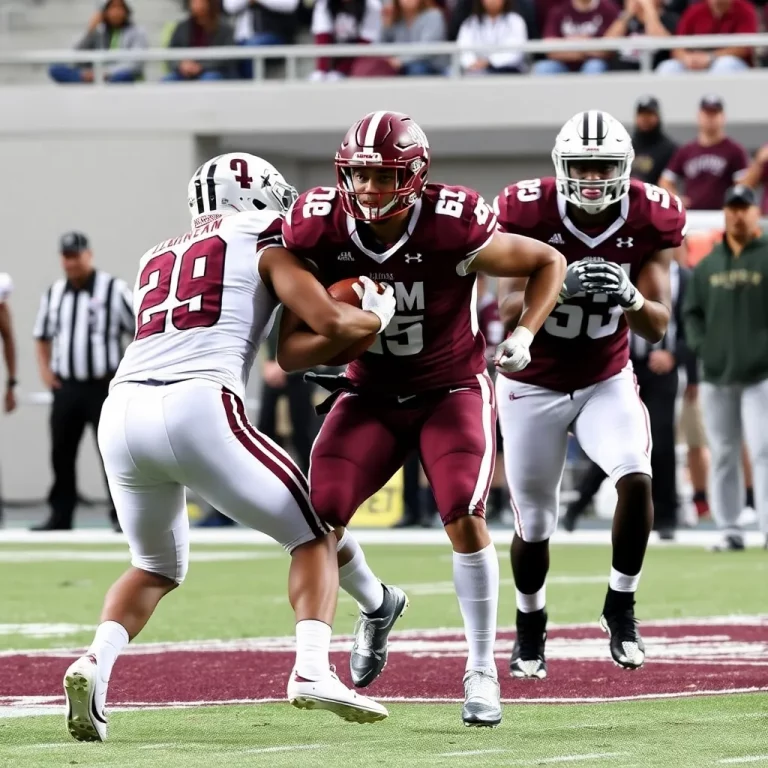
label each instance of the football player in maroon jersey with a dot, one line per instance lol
(618, 237)
(423, 385)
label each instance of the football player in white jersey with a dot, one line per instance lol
(175, 419)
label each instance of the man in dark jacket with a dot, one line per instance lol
(205, 27)
(726, 320)
(653, 148)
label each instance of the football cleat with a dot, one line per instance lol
(482, 699)
(528, 660)
(618, 620)
(369, 651)
(332, 695)
(86, 694)
(730, 543)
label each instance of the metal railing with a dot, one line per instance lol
(644, 47)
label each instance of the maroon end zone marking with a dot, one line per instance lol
(682, 660)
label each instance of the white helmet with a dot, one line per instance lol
(593, 135)
(237, 182)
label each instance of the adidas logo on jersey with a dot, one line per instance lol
(557, 239)
(345, 256)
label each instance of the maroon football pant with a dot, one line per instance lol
(363, 442)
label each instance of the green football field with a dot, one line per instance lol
(203, 686)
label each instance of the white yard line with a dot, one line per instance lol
(537, 760)
(341, 642)
(746, 759)
(568, 758)
(436, 536)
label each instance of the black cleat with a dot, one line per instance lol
(528, 661)
(618, 620)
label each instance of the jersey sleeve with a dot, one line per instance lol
(518, 206)
(670, 220)
(306, 220)
(269, 234)
(476, 224)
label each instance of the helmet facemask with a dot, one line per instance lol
(407, 175)
(591, 182)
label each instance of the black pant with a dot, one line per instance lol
(304, 423)
(659, 393)
(75, 405)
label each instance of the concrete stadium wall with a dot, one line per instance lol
(115, 162)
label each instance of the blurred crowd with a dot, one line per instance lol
(472, 23)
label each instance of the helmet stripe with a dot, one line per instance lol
(199, 189)
(211, 186)
(373, 127)
(585, 128)
(599, 133)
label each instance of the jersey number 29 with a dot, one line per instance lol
(196, 280)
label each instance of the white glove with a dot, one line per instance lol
(514, 354)
(610, 278)
(383, 304)
(571, 285)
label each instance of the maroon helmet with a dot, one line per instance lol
(383, 140)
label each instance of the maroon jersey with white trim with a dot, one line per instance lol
(433, 340)
(584, 340)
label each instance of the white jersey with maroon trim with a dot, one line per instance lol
(201, 306)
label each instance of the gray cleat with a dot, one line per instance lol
(369, 652)
(482, 700)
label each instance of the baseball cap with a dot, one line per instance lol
(73, 242)
(711, 103)
(648, 104)
(740, 194)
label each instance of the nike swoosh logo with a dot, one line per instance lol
(458, 389)
(513, 396)
(405, 399)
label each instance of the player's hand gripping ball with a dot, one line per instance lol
(351, 291)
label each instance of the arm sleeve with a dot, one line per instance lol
(370, 26)
(466, 38)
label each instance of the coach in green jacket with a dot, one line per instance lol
(726, 325)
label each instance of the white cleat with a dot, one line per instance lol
(482, 700)
(331, 694)
(85, 693)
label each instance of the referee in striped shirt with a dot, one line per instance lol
(79, 334)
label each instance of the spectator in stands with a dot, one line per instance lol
(203, 28)
(714, 17)
(727, 326)
(493, 22)
(757, 175)
(461, 10)
(647, 18)
(653, 148)
(344, 22)
(709, 165)
(110, 28)
(263, 22)
(577, 20)
(415, 21)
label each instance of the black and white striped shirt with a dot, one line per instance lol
(86, 326)
(639, 347)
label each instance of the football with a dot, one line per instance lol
(343, 291)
